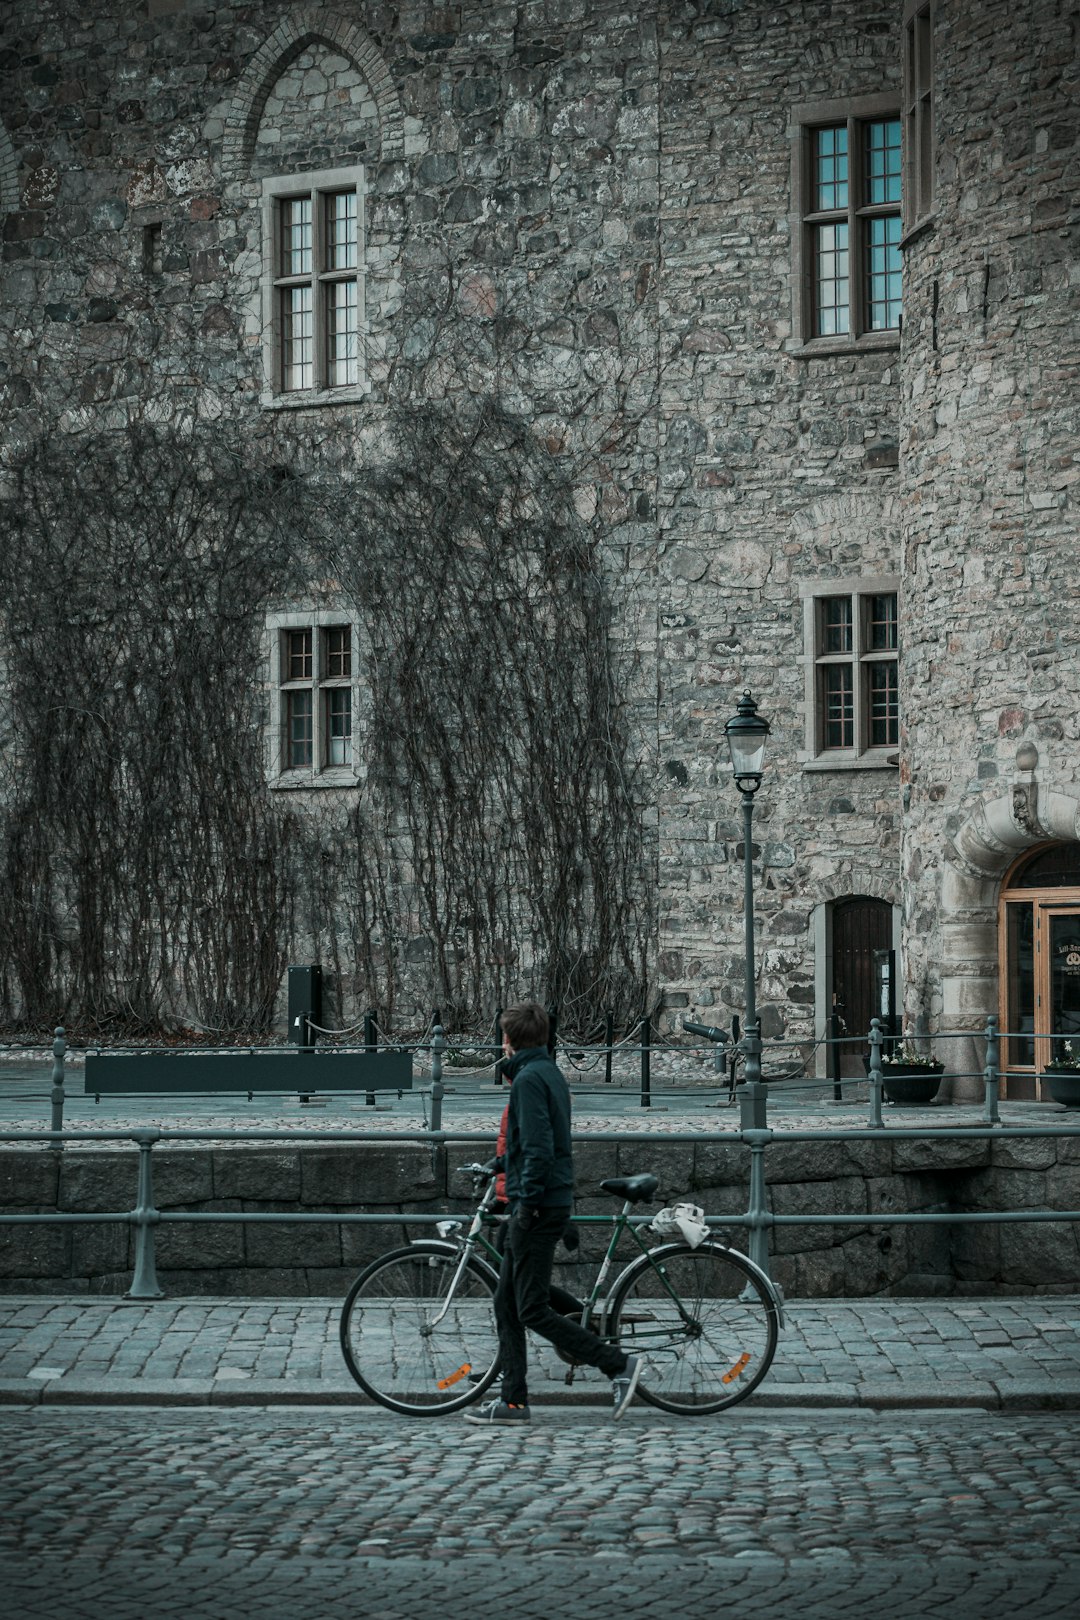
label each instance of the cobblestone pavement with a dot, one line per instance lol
(106, 1515)
(995, 1353)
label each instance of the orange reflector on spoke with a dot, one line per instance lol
(729, 1377)
(455, 1377)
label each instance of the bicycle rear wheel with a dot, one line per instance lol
(704, 1321)
(414, 1341)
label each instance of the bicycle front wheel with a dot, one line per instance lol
(418, 1329)
(703, 1320)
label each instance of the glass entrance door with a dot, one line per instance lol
(1040, 963)
(1063, 987)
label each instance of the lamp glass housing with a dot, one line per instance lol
(747, 733)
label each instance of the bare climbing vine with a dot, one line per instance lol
(142, 870)
(150, 877)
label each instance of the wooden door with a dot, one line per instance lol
(860, 926)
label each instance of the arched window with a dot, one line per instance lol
(1039, 944)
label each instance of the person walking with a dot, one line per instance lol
(540, 1191)
(565, 1303)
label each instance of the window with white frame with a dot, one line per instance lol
(852, 663)
(314, 699)
(918, 111)
(313, 286)
(847, 193)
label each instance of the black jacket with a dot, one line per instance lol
(539, 1162)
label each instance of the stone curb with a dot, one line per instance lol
(1008, 1394)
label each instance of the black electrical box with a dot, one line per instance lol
(305, 1003)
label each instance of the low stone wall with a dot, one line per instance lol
(275, 1259)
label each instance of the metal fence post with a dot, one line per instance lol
(438, 1090)
(990, 1073)
(646, 1062)
(835, 1065)
(876, 1082)
(734, 1053)
(144, 1217)
(371, 1044)
(754, 1116)
(57, 1096)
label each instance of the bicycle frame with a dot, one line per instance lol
(474, 1240)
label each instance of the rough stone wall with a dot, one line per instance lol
(621, 179)
(503, 154)
(990, 418)
(272, 1258)
(766, 481)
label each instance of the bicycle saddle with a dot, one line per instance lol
(638, 1189)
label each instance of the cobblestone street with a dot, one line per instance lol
(110, 1514)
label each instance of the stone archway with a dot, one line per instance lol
(991, 839)
(305, 26)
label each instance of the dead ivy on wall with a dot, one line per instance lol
(497, 850)
(496, 747)
(150, 877)
(142, 871)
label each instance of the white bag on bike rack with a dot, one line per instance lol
(681, 1220)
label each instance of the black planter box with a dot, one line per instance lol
(269, 1069)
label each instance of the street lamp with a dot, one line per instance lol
(746, 733)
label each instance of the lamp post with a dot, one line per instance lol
(746, 734)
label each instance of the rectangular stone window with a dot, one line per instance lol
(846, 174)
(313, 287)
(313, 701)
(852, 681)
(918, 110)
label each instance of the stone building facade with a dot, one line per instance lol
(854, 501)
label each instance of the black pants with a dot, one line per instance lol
(565, 1303)
(523, 1300)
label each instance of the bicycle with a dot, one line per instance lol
(418, 1328)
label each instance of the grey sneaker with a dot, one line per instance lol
(497, 1412)
(624, 1384)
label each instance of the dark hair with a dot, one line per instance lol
(525, 1025)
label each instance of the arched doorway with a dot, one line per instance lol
(1039, 947)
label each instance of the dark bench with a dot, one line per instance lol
(302, 1070)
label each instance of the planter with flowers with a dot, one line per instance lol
(1061, 1078)
(910, 1077)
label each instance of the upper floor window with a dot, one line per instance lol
(313, 286)
(313, 698)
(918, 111)
(852, 637)
(847, 190)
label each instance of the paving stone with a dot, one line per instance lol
(820, 1515)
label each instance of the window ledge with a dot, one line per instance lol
(825, 348)
(308, 400)
(922, 227)
(298, 781)
(870, 761)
